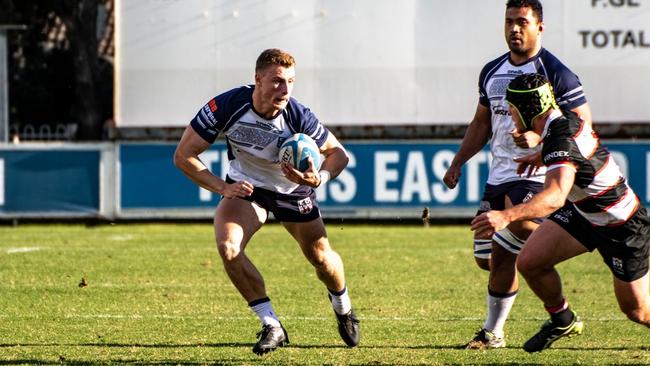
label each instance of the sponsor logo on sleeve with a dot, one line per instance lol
(206, 113)
(213, 105)
(556, 155)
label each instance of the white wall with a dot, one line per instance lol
(367, 61)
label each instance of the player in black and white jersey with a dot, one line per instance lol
(255, 120)
(590, 206)
(492, 121)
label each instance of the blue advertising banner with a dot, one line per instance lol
(139, 180)
(149, 179)
(39, 182)
(381, 180)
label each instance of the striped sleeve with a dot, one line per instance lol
(218, 112)
(302, 119)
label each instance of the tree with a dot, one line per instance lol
(58, 72)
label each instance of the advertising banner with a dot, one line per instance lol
(382, 180)
(49, 183)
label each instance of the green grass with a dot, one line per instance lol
(157, 294)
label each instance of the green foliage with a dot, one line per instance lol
(157, 294)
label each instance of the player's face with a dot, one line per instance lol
(516, 119)
(273, 86)
(519, 125)
(523, 31)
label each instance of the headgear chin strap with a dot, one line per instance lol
(531, 103)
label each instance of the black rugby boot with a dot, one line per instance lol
(349, 328)
(551, 332)
(270, 338)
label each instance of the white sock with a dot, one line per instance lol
(340, 301)
(499, 306)
(265, 312)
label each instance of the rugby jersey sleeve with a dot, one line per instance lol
(567, 87)
(213, 118)
(557, 153)
(559, 149)
(486, 73)
(302, 120)
(482, 92)
(568, 90)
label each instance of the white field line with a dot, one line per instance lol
(158, 285)
(316, 318)
(23, 250)
(293, 318)
(121, 237)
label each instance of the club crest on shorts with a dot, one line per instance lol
(617, 265)
(528, 197)
(305, 205)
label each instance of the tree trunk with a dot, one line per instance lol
(81, 22)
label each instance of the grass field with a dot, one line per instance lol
(157, 294)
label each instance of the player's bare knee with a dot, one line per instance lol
(317, 257)
(228, 251)
(527, 266)
(323, 258)
(636, 314)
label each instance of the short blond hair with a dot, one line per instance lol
(274, 56)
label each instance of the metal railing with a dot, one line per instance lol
(29, 132)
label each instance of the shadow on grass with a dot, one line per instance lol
(245, 360)
(298, 346)
(128, 362)
(223, 345)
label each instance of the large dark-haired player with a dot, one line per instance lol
(524, 24)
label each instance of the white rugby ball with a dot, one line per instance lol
(296, 149)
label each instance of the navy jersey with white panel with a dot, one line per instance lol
(600, 192)
(493, 81)
(254, 142)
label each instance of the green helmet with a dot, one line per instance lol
(530, 95)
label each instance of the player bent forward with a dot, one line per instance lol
(590, 206)
(255, 119)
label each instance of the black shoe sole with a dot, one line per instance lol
(263, 351)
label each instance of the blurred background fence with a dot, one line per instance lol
(95, 93)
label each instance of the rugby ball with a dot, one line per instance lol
(296, 149)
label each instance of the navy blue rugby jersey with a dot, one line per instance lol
(600, 192)
(493, 81)
(254, 142)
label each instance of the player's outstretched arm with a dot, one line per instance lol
(557, 185)
(476, 136)
(186, 158)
